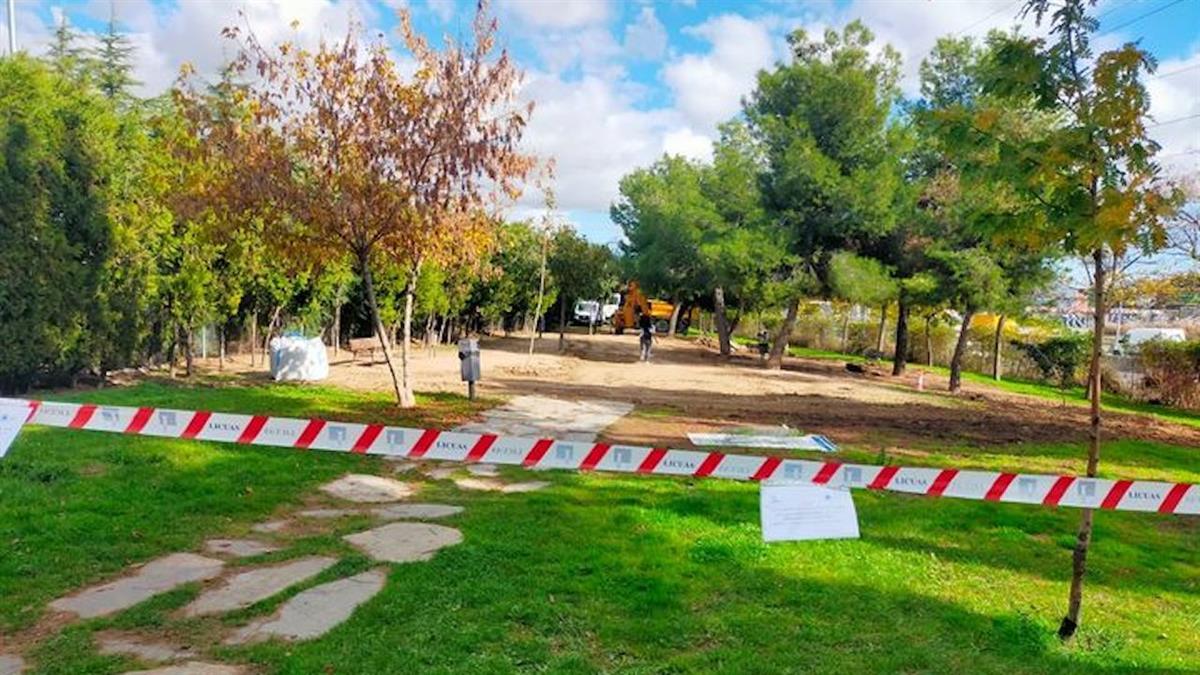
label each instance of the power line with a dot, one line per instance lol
(1177, 71)
(1005, 8)
(1140, 17)
(1177, 119)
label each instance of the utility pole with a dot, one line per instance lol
(12, 27)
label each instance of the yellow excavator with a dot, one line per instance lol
(634, 304)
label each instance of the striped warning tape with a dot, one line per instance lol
(376, 439)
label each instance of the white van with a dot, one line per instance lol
(1136, 337)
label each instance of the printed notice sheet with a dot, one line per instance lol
(803, 511)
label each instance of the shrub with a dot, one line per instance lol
(1173, 370)
(1059, 358)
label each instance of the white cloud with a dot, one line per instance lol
(1174, 99)
(646, 38)
(593, 130)
(442, 9)
(559, 13)
(684, 141)
(708, 87)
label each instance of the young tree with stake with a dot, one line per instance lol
(1089, 183)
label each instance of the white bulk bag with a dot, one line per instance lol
(297, 358)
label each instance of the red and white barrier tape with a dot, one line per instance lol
(376, 439)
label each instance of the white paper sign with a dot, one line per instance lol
(12, 418)
(802, 511)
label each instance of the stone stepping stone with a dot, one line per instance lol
(416, 511)
(193, 668)
(270, 526)
(120, 644)
(489, 470)
(404, 542)
(527, 486)
(11, 664)
(314, 612)
(489, 484)
(329, 513)
(155, 577)
(239, 548)
(401, 464)
(442, 472)
(365, 488)
(247, 588)
(482, 484)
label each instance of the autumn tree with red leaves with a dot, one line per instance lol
(343, 152)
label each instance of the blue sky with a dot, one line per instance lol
(616, 84)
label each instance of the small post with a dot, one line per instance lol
(468, 361)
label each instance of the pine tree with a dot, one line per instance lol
(67, 58)
(114, 63)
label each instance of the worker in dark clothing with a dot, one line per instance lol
(646, 328)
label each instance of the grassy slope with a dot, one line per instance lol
(602, 573)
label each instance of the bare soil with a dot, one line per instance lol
(689, 387)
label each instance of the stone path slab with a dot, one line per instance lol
(365, 488)
(527, 486)
(193, 668)
(315, 611)
(325, 514)
(404, 542)
(442, 472)
(155, 577)
(416, 511)
(10, 664)
(544, 417)
(121, 644)
(270, 527)
(493, 485)
(247, 588)
(239, 548)
(488, 470)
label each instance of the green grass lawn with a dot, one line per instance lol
(600, 573)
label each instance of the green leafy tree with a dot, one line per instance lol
(68, 59)
(823, 120)
(739, 249)
(1089, 184)
(581, 270)
(55, 234)
(664, 214)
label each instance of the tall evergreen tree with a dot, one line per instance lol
(114, 62)
(66, 56)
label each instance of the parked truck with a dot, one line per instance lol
(634, 303)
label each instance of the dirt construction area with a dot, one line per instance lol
(688, 387)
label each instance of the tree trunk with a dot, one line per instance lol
(187, 352)
(928, 341)
(960, 348)
(336, 333)
(562, 325)
(271, 328)
(775, 360)
(406, 389)
(846, 330)
(674, 322)
(221, 354)
(1084, 539)
(997, 357)
(721, 320)
(253, 336)
(172, 353)
(882, 335)
(900, 358)
(381, 332)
